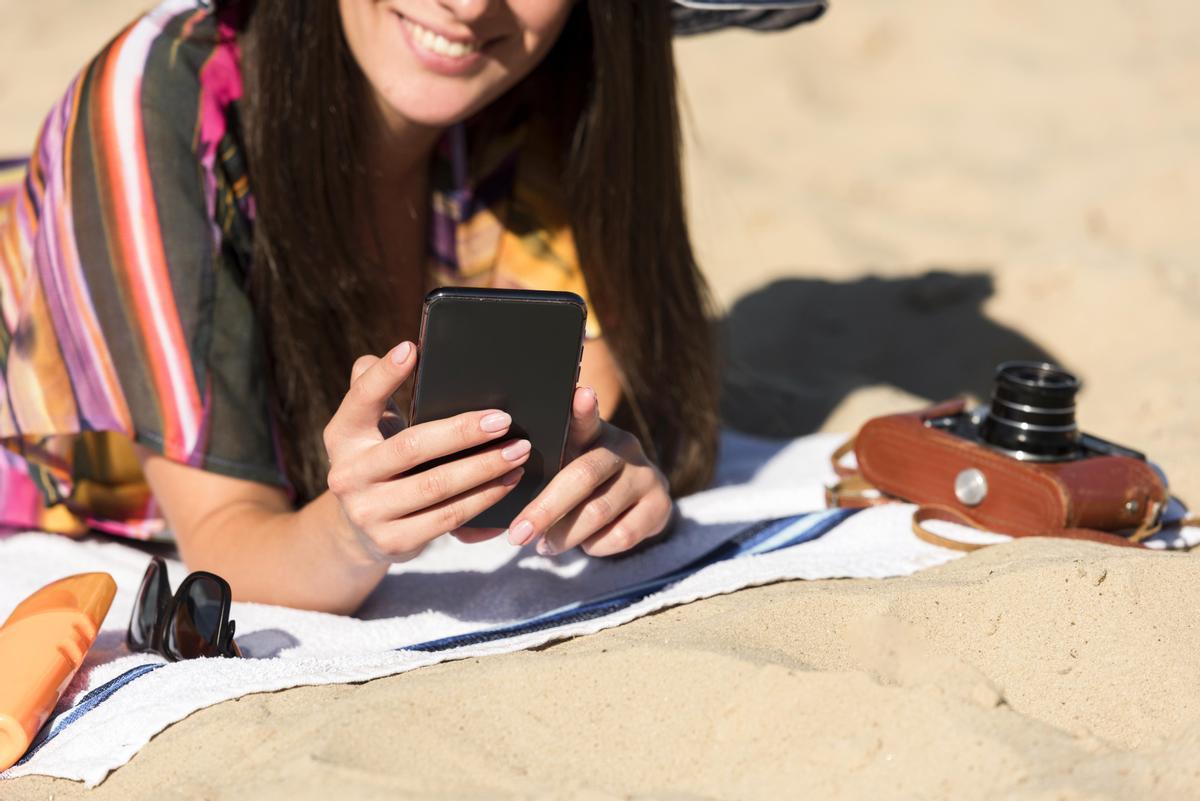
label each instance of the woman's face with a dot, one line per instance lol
(437, 62)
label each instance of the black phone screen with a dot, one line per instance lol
(514, 350)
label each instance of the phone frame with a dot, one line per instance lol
(490, 295)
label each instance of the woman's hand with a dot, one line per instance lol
(392, 511)
(607, 498)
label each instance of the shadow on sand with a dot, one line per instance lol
(797, 347)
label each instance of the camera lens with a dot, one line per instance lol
(1033, 411)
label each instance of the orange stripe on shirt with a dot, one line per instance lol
(10, 257)
(25, 214)
(80, 297)
(138, 253)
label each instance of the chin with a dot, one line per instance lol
(437, 115)
(437, 107)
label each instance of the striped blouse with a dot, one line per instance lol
(125, 242)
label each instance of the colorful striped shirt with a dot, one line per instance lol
(124, 252)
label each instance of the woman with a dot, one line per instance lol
(232, 205)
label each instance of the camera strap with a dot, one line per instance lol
(852, 490)
(948, 514)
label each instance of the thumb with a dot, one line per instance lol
(585, 421)
(373, 383)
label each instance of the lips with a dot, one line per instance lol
(443, 48)
(444, 54)
(436, 43)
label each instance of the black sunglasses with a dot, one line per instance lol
(191, 623)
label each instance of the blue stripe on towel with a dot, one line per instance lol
(86, 704)
(766, 537)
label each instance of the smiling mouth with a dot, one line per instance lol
(437, 44)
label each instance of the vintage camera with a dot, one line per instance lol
(1031, 417)
(1018, 465)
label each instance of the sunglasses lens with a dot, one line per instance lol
(197, 621)
(150, 604)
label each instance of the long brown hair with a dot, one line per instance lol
(610, 79)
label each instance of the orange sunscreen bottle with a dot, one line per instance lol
(42, 644)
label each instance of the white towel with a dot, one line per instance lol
(457, 600)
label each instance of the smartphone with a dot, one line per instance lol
(514, 350)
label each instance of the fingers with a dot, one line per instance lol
(385, 501)
(647, 518)
(372, 384)
(574, 484)
(407, 536)
(417, 445)
(585, 425)
(607, 503)
(361, 365)
(608, 499)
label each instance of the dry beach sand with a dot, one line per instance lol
(887, 204)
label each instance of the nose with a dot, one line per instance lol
(467, 10)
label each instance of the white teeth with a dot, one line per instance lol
(436, 43)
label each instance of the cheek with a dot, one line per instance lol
(354, 15)
(360, 24)
(541, 22)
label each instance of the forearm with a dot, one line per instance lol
(306, 558)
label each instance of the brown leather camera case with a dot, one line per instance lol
(904, 458)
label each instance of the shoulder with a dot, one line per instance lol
(160, 71)
(172, 40)
(137, 137)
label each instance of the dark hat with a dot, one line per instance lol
(702, 16)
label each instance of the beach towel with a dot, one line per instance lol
(763, 521)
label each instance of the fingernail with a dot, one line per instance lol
(497, 421)
(545, 548)
(515, 451)
(521, 532)
(401, 352)
(512, 477)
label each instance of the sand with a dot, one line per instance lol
(886, 204)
